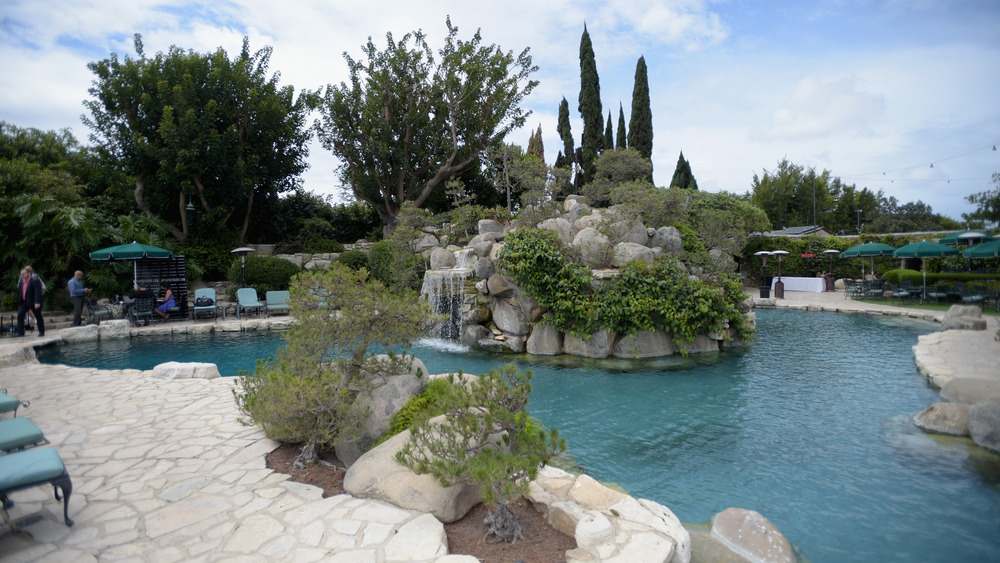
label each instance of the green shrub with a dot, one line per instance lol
(321, 245)
(917, 277)
(393, 265)
(354, 259)
(264, 273)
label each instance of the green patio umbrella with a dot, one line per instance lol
(132, 251)
(986, 250)
(869, 249)
(924, 249)
(963, 236)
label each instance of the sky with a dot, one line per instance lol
(901, 96)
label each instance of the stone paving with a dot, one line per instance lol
(163, 470)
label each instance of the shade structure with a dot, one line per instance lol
(986, 250)
(964, 236)
(869, 249)
(132, 251)
(924, 249)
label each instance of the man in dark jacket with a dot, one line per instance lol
(29, 297)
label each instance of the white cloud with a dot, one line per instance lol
(821, 109)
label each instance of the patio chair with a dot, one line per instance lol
(277, 302)
(853, 288)
(11, 404)
(141, 311)
(206, 297)
(246, 301)
(938, 292)
(18, 434)
(98, 312)
(967, 295)
(905, 291)
(33, 468)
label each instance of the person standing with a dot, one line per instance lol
(29, 298)
(77, 294)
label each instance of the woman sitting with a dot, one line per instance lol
(166, 302)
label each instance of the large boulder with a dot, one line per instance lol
(472, 334)
(378, 475)
(749, 534)
(984, 425)
(587, 221)
(597, 346)
(318, 265)
(594, 247)
(574, 199)
(633, 231)
(80, 333)
(115, 328)
(442, 259)
(669, 239)
(626, 252)
(970, 390)
(702, 343)
(644, 344)
(561, 227)
(387, 395)
(484, 268)
(476, 315)
(490, 226)
(963, 317)
(482, 248)
(944, 418)
(186, 370)
(498, 286)
(426, 243)
(509, 318)
(578, 211)
(545, 340)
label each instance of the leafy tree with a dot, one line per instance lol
(788, 194)
(894, 217)
(487, 438)
(683, 178)
(307, 393)
(405, 122)
(613, 168)
(199, 128)
(609, 135)
(640, 126)
(987, 205)
(590, 107)
(622, 136)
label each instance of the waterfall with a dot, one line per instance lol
(445, 291)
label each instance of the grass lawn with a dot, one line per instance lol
(926, 306)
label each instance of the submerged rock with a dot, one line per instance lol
(749, 534)
(944, 418)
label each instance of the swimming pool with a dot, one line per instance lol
(810, 427)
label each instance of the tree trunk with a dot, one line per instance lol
(140, 186)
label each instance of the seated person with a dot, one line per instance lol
(166, 302)
(141, 292)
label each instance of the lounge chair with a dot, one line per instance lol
(98, 312)
(246, 301)
(141, 310)
(277, 302)
(204, 293)
(33, 468)
(19, 433)
(10, 404)
(967, 295)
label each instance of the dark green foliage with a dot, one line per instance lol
(263, 273)
(354, 259)
(609, 135)
(641, 298)
(590, 107)
(987, 205)
(917, 277)
(487, 438)
(640, 126)
(622, 136)
(535, 145)
(392, 264)
(612, 169)
(683, 178)
(429, 403)
(566, 134)
(212, 257)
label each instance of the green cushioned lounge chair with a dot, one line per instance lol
(19, 433)
(33, 468)
(277, 302)
(246, 301)
(10, 404)
(205, 293)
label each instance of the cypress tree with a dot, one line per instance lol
(640, 127)
(566, 134)
(621, 127)
(683, 178)
(535, 145)
(590, 107)
(609, 138)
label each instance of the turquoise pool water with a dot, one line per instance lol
(811, 427)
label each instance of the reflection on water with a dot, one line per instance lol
(810, 427)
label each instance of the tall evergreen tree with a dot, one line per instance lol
(683, 178)
(568, 154)
(609, 136)
(640, 127)
(590, 107)
(621, 128)
(535, 145)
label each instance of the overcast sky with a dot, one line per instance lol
(874, 91)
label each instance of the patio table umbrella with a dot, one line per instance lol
(132, 251)
(924, 249)
(963, 236)
(869, 249)
(986, 250)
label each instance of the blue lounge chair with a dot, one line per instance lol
(204, 293)
(33, 468)
(19, 433)
(277, 302)
(246, 301)
(10, 404)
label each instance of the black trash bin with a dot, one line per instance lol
(765, 291)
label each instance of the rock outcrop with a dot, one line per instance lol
(749, 534)
(944, 418)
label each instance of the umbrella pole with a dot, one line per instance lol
(923, 296)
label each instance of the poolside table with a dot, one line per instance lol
(813, 285)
